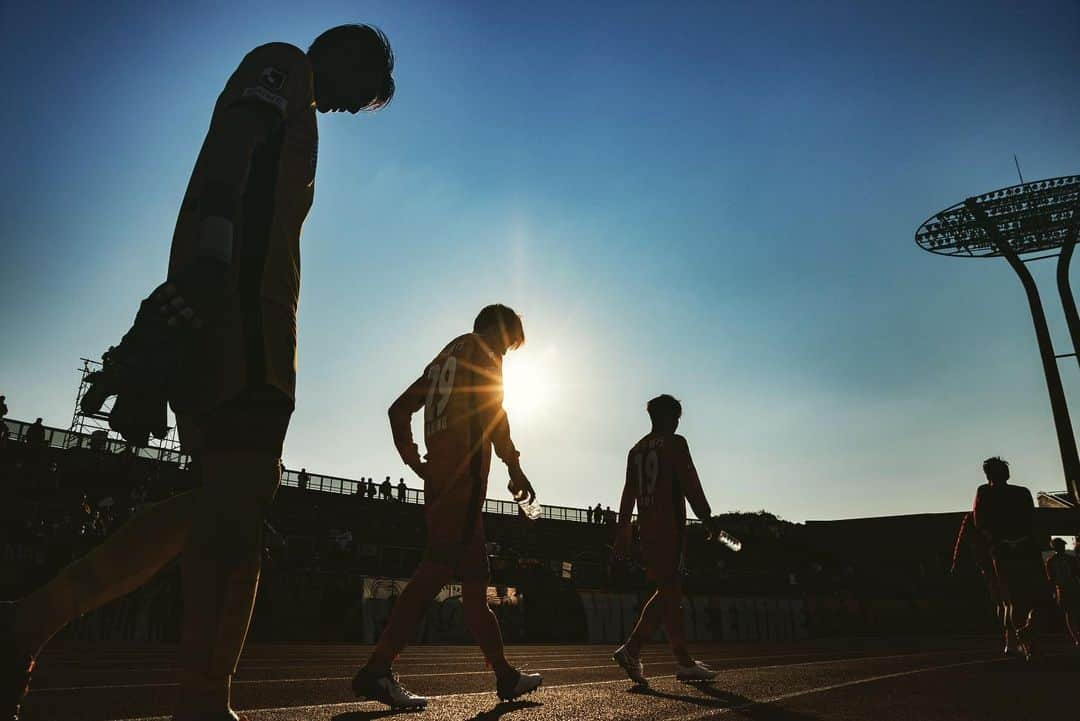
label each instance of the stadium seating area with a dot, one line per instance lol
(323, 541)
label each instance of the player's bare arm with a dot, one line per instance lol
(691, 485)
(626, 510)
(519, 484)
(401, 413)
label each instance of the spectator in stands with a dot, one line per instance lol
(386, 490)
(302, 479)
(358, 490)
(598, 514)
(588, 514)
(3, 407)
(609, 516)
(402, 489)
(1005, 515)
(1063, 571)
(35, 435)
(371, 488)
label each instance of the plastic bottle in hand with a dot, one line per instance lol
(727, 539)
(532, 509)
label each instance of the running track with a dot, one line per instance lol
(818, 680)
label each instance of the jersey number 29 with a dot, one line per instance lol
(442, 385)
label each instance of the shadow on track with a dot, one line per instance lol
(368, 715)
(493, 714)
(717, 698)
(503, 708)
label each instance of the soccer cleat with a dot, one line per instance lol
(386, 689)
(633, 666)
(518, 685)
(697, 671)
(15, 667)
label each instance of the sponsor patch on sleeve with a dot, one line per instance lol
(265, 95)
(273, 78)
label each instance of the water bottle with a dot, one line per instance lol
(727, 539)
(532, 509)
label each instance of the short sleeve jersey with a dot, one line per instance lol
(1006, 511)
(1062, 570)
(462, 406)
(663, 473)
(259, 344)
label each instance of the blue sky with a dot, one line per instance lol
(715, 200)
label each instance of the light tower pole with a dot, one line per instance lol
(1039, 218)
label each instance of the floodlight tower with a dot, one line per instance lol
(1040, 217)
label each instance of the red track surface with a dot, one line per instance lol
(876, 680)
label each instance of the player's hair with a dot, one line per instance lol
(374, 49)
(505, 320)
(1058, 543)
(664, 408)
(996, 468)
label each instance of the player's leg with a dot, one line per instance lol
(220, 565)
(123, 562)
(484, 627)
(686, 667)
(240, 455)
(628, 656)
(376, 680)
(670, 593)
(1070, 609)
(649, 620)
(1001, 582)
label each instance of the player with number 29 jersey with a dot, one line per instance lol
(661, 474)
(461, 392)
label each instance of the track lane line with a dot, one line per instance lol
(375, 704)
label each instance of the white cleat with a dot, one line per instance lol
(695, 672)
(387, 689)
(514, 687)
(633, 666)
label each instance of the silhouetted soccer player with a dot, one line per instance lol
(1063, 571)
(1005, 515)
(660, 479)
(461, 393)
(228, 309)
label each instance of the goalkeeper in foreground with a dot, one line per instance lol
(217, 341)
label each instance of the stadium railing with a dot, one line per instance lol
(62, 438)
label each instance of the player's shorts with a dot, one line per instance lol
(255, 420)
(455, 526)
(469, 561)
(1021, 581)
(664, 558)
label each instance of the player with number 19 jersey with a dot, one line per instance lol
(461, 392)
(662, 477)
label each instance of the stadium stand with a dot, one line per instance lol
(334, 559)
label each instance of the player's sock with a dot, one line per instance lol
(484, 627)
(648, 621)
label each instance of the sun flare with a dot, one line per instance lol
(529, 383)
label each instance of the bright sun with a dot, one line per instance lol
(528, 382)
